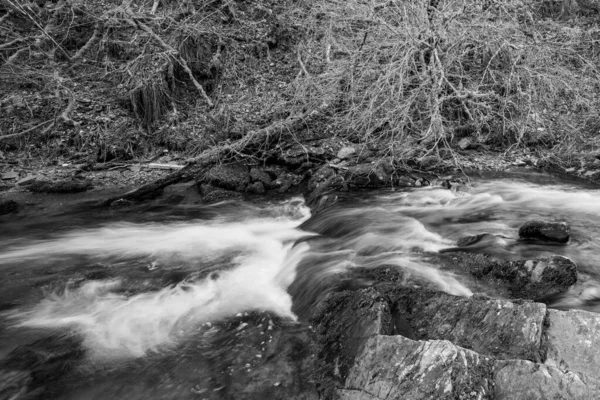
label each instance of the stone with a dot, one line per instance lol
(9, 176)
(465, 143)
(367, 175)
(498, 328)
(8, 206)
(394, 367)
(573, 341)
(548, 231)
(229, 176)
(256, 187)
(538, 278)
(526, 279)
(346, 152)
(260, 175)
(520, 379)
(27, 180)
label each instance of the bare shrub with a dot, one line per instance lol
(417, 77)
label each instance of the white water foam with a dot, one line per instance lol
(114, 325)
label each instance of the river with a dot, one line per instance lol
(149, 302)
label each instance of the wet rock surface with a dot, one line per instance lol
(343, 323)
(547, 231)
(527, 279)
(498, 328)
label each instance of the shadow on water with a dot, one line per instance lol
(172, 299)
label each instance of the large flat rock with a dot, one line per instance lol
(520, 379)
(573, 341)
(394, 367)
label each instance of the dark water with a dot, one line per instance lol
(151, 302)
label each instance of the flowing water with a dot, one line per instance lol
(138, 297)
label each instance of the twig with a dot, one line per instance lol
(301, 62)
(93, 40)
(13, 135)
(155, 6)
(12, 42)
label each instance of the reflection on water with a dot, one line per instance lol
(146, 287)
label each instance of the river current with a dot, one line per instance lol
(137, 285)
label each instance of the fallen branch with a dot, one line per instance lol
(163, 166)
(265, 136)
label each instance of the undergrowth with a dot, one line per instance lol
(413, 78)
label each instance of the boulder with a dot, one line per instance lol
(394, 367)
(526, 279)
(229, 176)
(520, 379)
(498, 328)
(548, 231)
(573, 341)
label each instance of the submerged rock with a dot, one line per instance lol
(548, 231)
(8, 206)
(477, 243)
